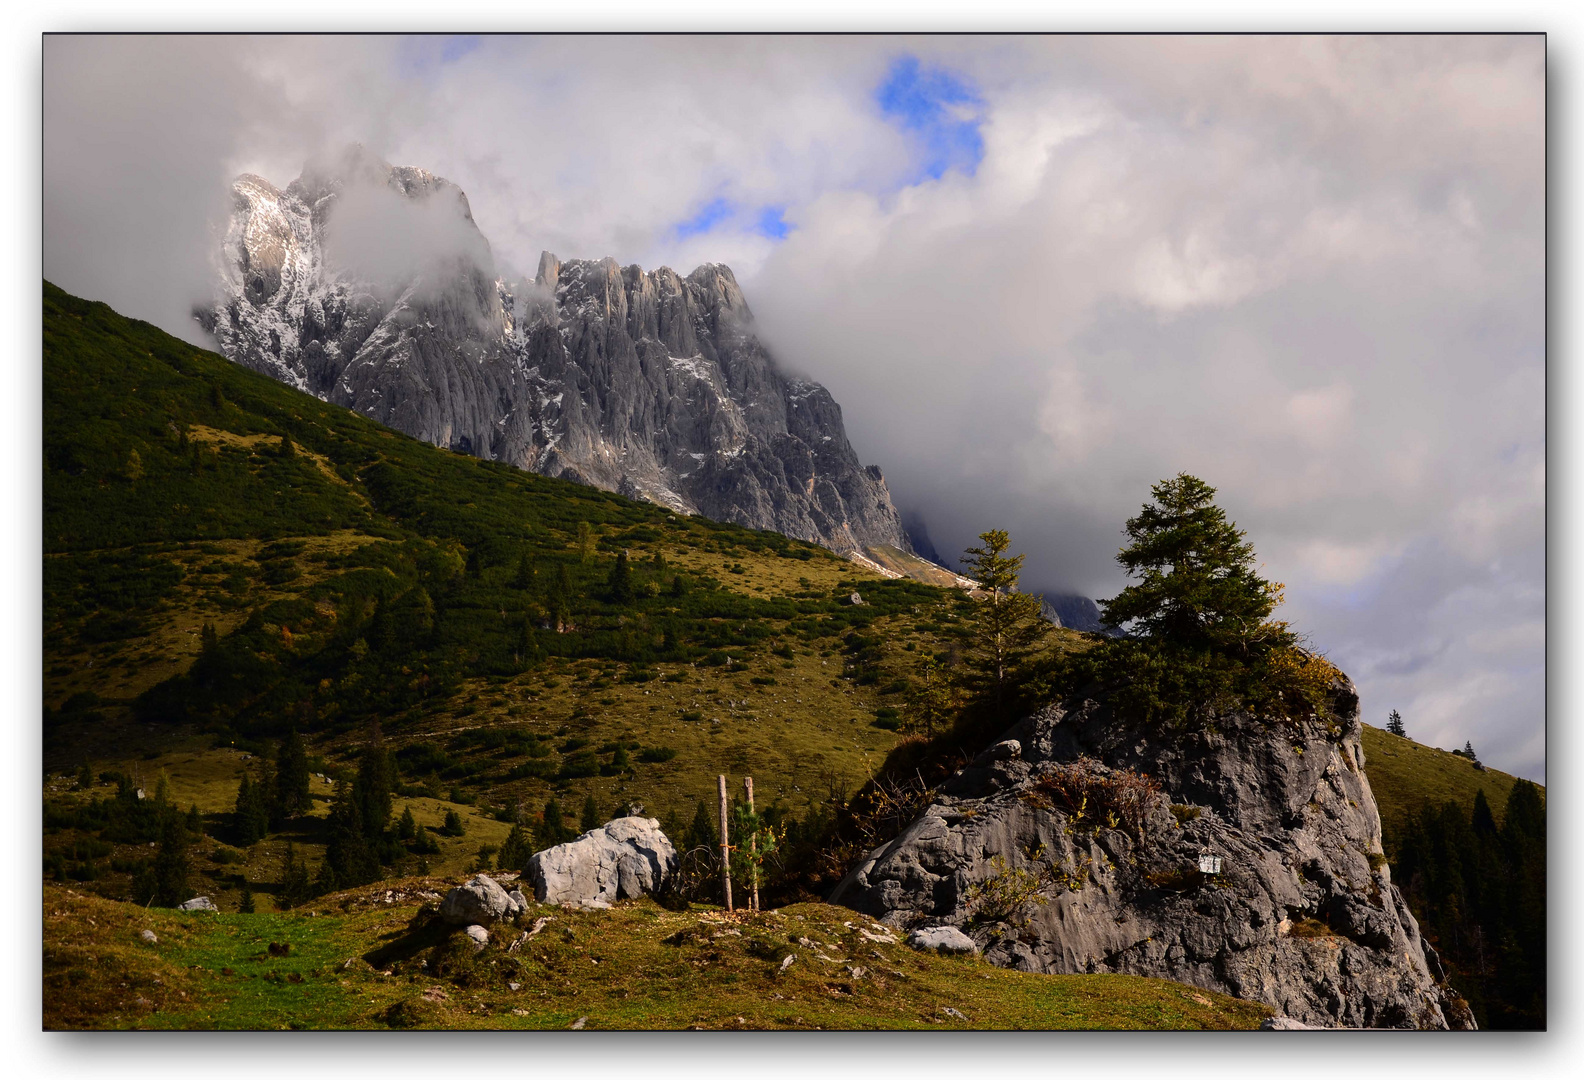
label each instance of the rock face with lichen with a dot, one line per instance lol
(1075, 845)
(369, 285)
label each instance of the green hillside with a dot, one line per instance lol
(353, 576)
(1406, 775)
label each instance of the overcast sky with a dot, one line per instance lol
(1038, 274)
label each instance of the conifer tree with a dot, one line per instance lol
(287, 448)
(376, 779)
(1006, 624)
(291, 777)
(591, 815)
(171, 865)
(1484, 822)
(555, 830)
(407, 827)
(251, 820)
(349, 859)
(701, 832)
(620, 585)
(247, 905)
(526, 572)
(516, 850)
(1197, 587)
(1394, 724)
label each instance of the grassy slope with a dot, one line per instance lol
(1405, 775)
(636, 966)
(140, 554)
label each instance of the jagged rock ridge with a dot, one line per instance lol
(1302, 916)
(647, 383)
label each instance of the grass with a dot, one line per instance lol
(636, 966)
(1406, 775)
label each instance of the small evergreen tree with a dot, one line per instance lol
(1394, 724)
(287, 448)
(247, 905)
(407, 827)
(516, 850)
(171, 866)
(291, 778)
(620, 585)
(555, 830)
(591, 815)
(349, 858)
(453, 824)
(701, 833)
(620, 763)
(376, 779)
(585, 541)
(1484, 822)
(1006, 624)
(526, 572)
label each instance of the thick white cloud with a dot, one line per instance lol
(1310, 271)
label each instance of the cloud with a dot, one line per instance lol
(1039, 274)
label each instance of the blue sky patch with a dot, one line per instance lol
(772, 223)
(422, 54)
(938, 108)
(705, 220)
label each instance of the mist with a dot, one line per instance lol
(1039, 274)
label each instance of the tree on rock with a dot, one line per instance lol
(1197, 586)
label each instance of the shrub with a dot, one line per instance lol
(1093, 795)
(655, 754)
(1185, 814)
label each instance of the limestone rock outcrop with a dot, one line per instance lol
(369, 285)
(621, 860)
(481, 900)
(1253, 869)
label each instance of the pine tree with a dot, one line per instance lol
(526, 572)
(349, 858)
(287, 448)
(555, 830)
(1006, 624)
(171, 865)
(620, 585)
(585, 541)
(407, 827)
(1468, 751)
(620, 763)
(701, 832)
(247, 905)
(291, 777)
(591, 815)
(1394, 724)
(376, 778)
(251, 819)
(1484, 822)
(452, 826)
(1197, 588)
(516, 850)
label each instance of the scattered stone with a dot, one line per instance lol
(148, 936)
(857, 972)
(944, 939)
(519, 1012)
(481, 900)
(621, 860)
(514, 986)
(479, 935)
(539, 924)
(787, 962)
(954, 1014)
(142, 1002)
(882, 938)
(1005, 750)
(198, 903)
(434, 993)
(577, 1025)
(855, 600)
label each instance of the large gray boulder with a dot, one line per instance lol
(945, 939)
(197, 903)
(1302, 914)
(621, 860)
(481, 900)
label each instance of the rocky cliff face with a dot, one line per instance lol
(1302, 914)
(370, 286)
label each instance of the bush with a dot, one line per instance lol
(654, 755)
(1093, 795)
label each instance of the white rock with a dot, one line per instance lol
(198, 903)
(621, 860)
(1286, 1023)
(479, 935)
(481, 900)
(946, 939)
(148, 936)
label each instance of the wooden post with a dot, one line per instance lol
(725, 846)
(753, 850)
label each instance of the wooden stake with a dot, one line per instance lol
(725, 846)
(753, 849)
